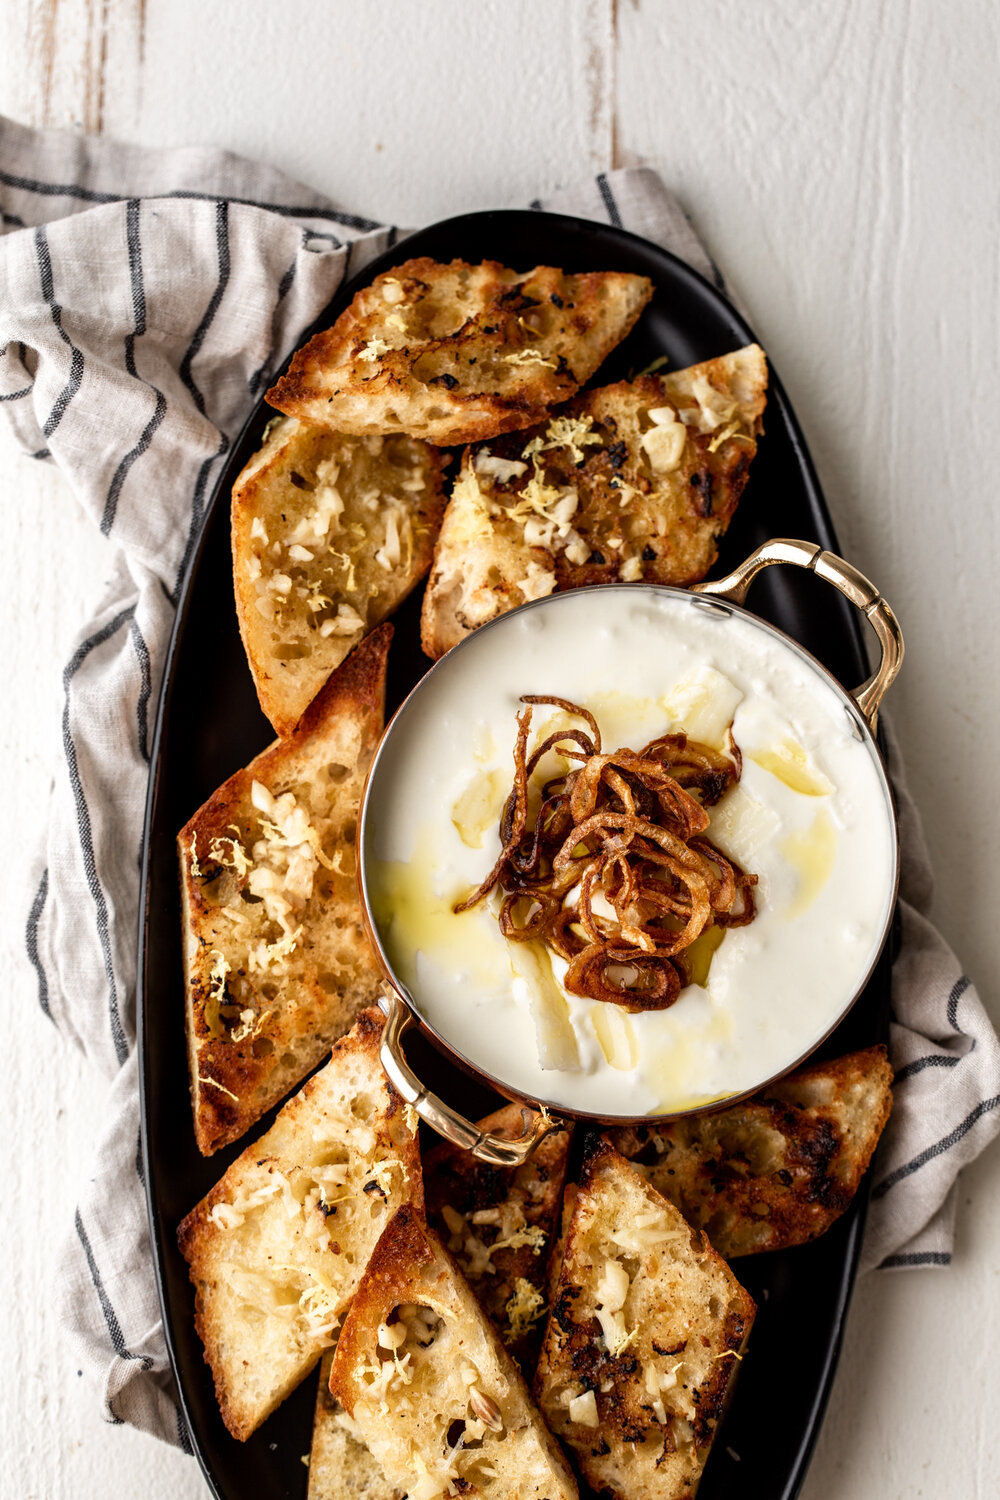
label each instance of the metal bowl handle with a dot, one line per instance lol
(495, 1149)
(852, 584)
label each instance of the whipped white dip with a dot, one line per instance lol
(810, 817)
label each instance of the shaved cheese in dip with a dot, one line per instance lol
(810, 816)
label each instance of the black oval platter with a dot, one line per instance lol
(209, 724)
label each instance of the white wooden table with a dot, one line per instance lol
(842, 162)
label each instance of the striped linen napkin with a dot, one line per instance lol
(146, 298)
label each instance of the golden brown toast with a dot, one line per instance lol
(631, 482)
(341, 1466)
(646, 1328)
(498, 1223)
(276, 963)
(330, 534)
(454, 353)
(778, 1169)
(433, 1391)
(276, 1250)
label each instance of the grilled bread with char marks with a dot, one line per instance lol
(278, 1247)
(778, 1169)
(498, 1223)
(277, 965)
(646, 1328)
(454, 353)
(433, 1391)
(631, 482)
(330, 534)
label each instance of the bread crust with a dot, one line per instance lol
(329, 534)
(255, 1029)
(600, 492)
(454, 353)
(778, 1169)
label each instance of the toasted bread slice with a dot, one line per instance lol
(778, 1169)
(631, 482)
(647, 1326)
(434, 1393)
(330, 534)
(341, 1466)
(277, 1248)
(498, 1223)
(454, 353)
(276, 962)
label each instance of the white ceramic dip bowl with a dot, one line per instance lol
(812, 816)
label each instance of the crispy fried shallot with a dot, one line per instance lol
(614, 872)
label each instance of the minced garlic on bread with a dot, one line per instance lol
(330, 534)
(631, 482)
(341, 1465)
(277, 1248)
(498, 1223)
(454, 353)
(276, 962)
(432, 1390)
(778, 1169)
(647, 1326)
